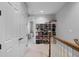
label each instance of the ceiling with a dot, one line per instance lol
(35, 8)
(38, 8)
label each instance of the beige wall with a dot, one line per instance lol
(68, 21)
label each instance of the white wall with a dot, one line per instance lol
(68, 21)
(12, 27)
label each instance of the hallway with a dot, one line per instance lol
(39, 29)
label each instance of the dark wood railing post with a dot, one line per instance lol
(49, 36)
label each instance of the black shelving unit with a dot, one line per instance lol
(42, 31)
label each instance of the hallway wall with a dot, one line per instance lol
(68, 21)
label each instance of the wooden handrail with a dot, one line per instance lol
(73, 46)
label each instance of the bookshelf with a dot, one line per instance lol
(42, 32)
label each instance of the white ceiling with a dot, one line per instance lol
(35, 8)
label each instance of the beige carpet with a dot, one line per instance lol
(37, 50)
